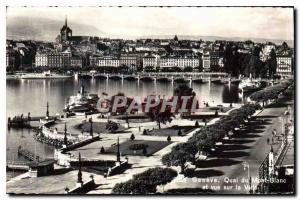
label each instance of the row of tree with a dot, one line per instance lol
(271, 92)
(146, 182)
(205, 139)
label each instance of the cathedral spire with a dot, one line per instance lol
(66, 21)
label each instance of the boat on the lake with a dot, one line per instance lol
(249, 86)
(81, 103)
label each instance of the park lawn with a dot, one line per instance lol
(171, 131)
(214, 108)
(152, 147)
(98, 127)
(133, 118)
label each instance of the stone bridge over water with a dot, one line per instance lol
(197, 77)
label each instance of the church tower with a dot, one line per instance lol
(65, 32)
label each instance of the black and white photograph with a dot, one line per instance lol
(150, 100)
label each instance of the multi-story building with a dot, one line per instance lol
(284, 65)
(76, 62)
(128, 60)
(150, 61)
(180, 62)
(12, 60)
(206, 61)
(59, 59)
(41, 59)
(214, 60)
(108, 61)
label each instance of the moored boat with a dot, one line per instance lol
(82, 102)
(44, 75)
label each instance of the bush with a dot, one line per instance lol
(132, 137)
(102, 150)
(111, 126)
(169, 138)
(134, 187)
(138, 146)
(216, 113)
(214, 108)
(145, 132)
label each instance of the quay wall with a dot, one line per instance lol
(63, 158)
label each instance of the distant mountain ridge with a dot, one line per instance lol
(213, 38)
(43, 29)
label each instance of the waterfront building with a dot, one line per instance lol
(206, 61)
(214, 60)
(284, 65)
(150, 61)
(180, 62)
(76, 62)
(108, 61)
(93, 59)
(12, 60)
(129, 61)
(41, 59)
(59, 59)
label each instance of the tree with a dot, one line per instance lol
(122, 109)
(188, 69)
(184, 90)
(268, 93)
(149, 69)
(188, 147)
(160, 116)
(111, 126)
(176, 158)
(272, 63)
(176, 38)
(132, 137)
(202, 141)
(231, 59)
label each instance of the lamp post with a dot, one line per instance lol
(247, 167)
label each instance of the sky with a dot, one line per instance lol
(255, 22)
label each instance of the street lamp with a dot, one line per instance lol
(247, 166)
